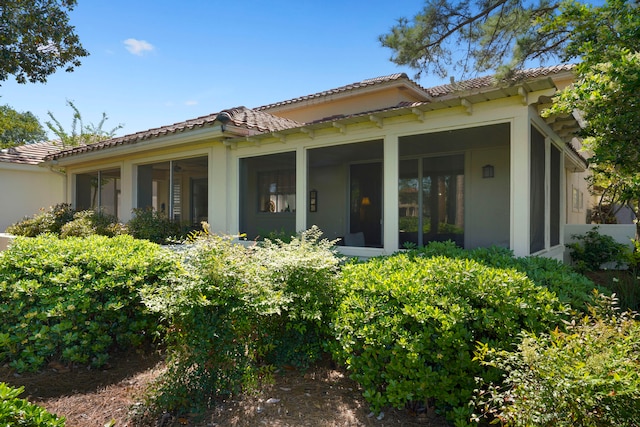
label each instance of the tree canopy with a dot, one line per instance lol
(462, 36)
(36, 39)
(19, 128)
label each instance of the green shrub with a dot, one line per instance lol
(89, 222)
(149, 224)
(47, 221)
(19, 412)
(407, 326)
(64, 221)
(593, 249)
(238, 311)
(571, 287)
(77, 299)
(586, 376)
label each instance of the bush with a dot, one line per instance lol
(89, 222)
(76, 300)
(149, 224)
(239, 311)
(571, 287)
(64, 221)
(19, 412)
(593, 249)
(408, 325)
(47, 221)
(586, 376)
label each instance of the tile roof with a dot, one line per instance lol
(488, 81)
(30, 154)
(241, 117)
(259, 120)
(347, 88)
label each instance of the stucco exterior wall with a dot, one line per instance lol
(26, 189)
(577, 188)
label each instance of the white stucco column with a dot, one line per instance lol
(520, 185)
(390, 194)
(301, 188)
(218, 189)
(128, 190)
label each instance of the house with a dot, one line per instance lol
(381, 164)
(26, 186)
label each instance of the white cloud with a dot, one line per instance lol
(138, 47)
(191, 102)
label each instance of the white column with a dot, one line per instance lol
(218, 189)
(128, 190)
(520, 185)
(301, 189)
(390, 194)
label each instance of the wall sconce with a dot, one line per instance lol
(313, 201)
(365, 201)
(488, 171)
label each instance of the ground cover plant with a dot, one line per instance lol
(240, 312)
(75, 300)
(20, 412)
(585, 376)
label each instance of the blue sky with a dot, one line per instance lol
(157, 62)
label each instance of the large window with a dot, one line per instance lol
(99, 191)
(176, 188)
(268, 195)
(431, 192)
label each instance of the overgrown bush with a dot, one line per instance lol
(75, 300)
(47, 221)
(89, 222)
(64, 221)
(20, 412)
(571, 287)
(407, 326)
(592, 249)
(149, 224)
(585, 376)
(239, 311)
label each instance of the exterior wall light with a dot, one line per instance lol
(488, 171)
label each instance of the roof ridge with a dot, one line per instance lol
(345, 88)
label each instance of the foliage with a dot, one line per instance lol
(586, 376)
(490, 33)
(605, 92)
(36, 39)
(86, 134)
(407, 326)
(89, 222)
(76, 300)
(152, 225)
(238, 311)
(20, 412)
(47, 221)
(570, 287)
(64, 221)
(19, 128)
(592, 249)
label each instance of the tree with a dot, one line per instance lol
(19, 128)
(36, 39)
(475, 36)
(80, 134)
(504, 34)
(607, 93)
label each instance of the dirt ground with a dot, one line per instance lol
(321, 396)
